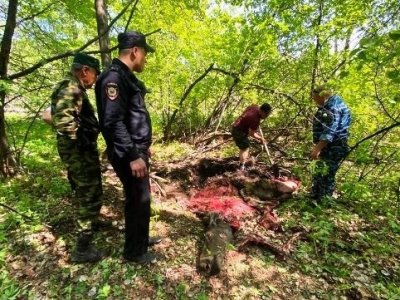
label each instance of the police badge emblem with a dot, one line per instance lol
(112, 91)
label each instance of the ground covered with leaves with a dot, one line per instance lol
(347, 249)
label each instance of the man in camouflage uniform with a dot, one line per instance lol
(77, 129)
(330, 132)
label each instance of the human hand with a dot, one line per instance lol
(317, 149)
(138, 168)
(315, 153)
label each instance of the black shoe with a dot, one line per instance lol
(90, 254)
(154, 240)
(101, 224)
(144, 259)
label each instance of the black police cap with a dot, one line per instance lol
(131, 39)
(87, 60)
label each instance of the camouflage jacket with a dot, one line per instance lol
(73, 115)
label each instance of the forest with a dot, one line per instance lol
(213, 59)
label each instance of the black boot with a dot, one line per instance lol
(144, 259)
(154, 240)
(85, 251)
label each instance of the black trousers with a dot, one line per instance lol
(137, 208)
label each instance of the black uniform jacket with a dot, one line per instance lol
(124, 120)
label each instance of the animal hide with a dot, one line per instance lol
(216, 240)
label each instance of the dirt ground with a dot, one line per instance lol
(41, 260)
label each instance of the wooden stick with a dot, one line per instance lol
(266, 147)
(260, 240)
(158, 178)
(163, 193)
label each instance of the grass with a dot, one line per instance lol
(351, 245)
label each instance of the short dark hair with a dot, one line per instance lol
(322, 89)
(266, 108)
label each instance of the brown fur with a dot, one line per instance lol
(217, 237)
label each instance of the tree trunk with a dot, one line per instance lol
(7, 161)
(317, 49)
(102, 29)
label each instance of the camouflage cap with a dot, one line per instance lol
(87, 60)
(131, 39)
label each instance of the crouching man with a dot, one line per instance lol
(246, 125)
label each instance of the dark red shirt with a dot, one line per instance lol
(250, 119)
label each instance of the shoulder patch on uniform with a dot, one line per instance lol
(112, 91)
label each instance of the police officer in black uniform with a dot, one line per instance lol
(126, 126)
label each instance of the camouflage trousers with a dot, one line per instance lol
(84, 175)
(326, 168)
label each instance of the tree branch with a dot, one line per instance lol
(153, 32)
(183, 98)
(31, 17)
(16, 211)
(131, 15)
(232, 74)
(383, 130)
(18, 156)
(67, 53)
(274, 91)
(380, 100)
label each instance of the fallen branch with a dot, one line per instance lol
(16, 211)
(212, 136)
(289, 245)
(213, 147)
(162, 191)
(259, 240)
(158, 178)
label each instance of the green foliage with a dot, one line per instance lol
(395, 35)
(181, 291)
(175, 150)
(202, 296)
(9, 289)
(339, 239)
(104, 292)
(266, 51)
(5, 86)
